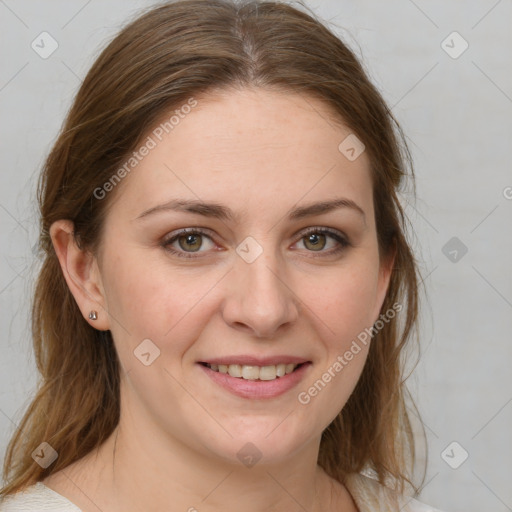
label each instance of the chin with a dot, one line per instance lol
(268, 441)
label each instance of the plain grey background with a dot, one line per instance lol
(455, 105)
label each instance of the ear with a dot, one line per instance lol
(385, 271)
(81, 271)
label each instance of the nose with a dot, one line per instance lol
(259, 301)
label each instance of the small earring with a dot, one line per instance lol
(93, 315)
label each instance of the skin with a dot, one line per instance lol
(260, 153)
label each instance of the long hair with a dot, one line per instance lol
(167, 55)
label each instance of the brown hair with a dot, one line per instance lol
(170, 53)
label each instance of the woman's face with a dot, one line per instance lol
(267, 275)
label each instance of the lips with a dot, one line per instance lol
(256, 377)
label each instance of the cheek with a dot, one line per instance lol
(152, 301)
(345, 309)
(346, 300)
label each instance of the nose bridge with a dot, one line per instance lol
(259, 298)
(263, 279)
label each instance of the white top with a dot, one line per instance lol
(369, 495)
(37, 497)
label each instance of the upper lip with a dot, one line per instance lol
(247, 360)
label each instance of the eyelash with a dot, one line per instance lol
(337, 236)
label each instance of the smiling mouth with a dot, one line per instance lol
(252, 372)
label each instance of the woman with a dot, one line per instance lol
(226, 289)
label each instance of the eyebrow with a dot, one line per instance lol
(218, 211)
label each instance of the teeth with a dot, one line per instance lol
(268, 373)
(250, 372)
(281, 370)
(235, 370)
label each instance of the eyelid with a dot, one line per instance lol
(190, 230)
(324, 230)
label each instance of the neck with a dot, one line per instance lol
(155, 471)
(148, 476)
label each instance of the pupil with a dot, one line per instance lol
(191, 240)
(315, 240)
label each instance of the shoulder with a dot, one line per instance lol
(371, 496)
(37, 497)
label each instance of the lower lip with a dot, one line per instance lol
(258, 388)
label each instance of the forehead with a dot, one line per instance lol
(247, 147)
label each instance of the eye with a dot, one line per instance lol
(186, 242)
(317, 239)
